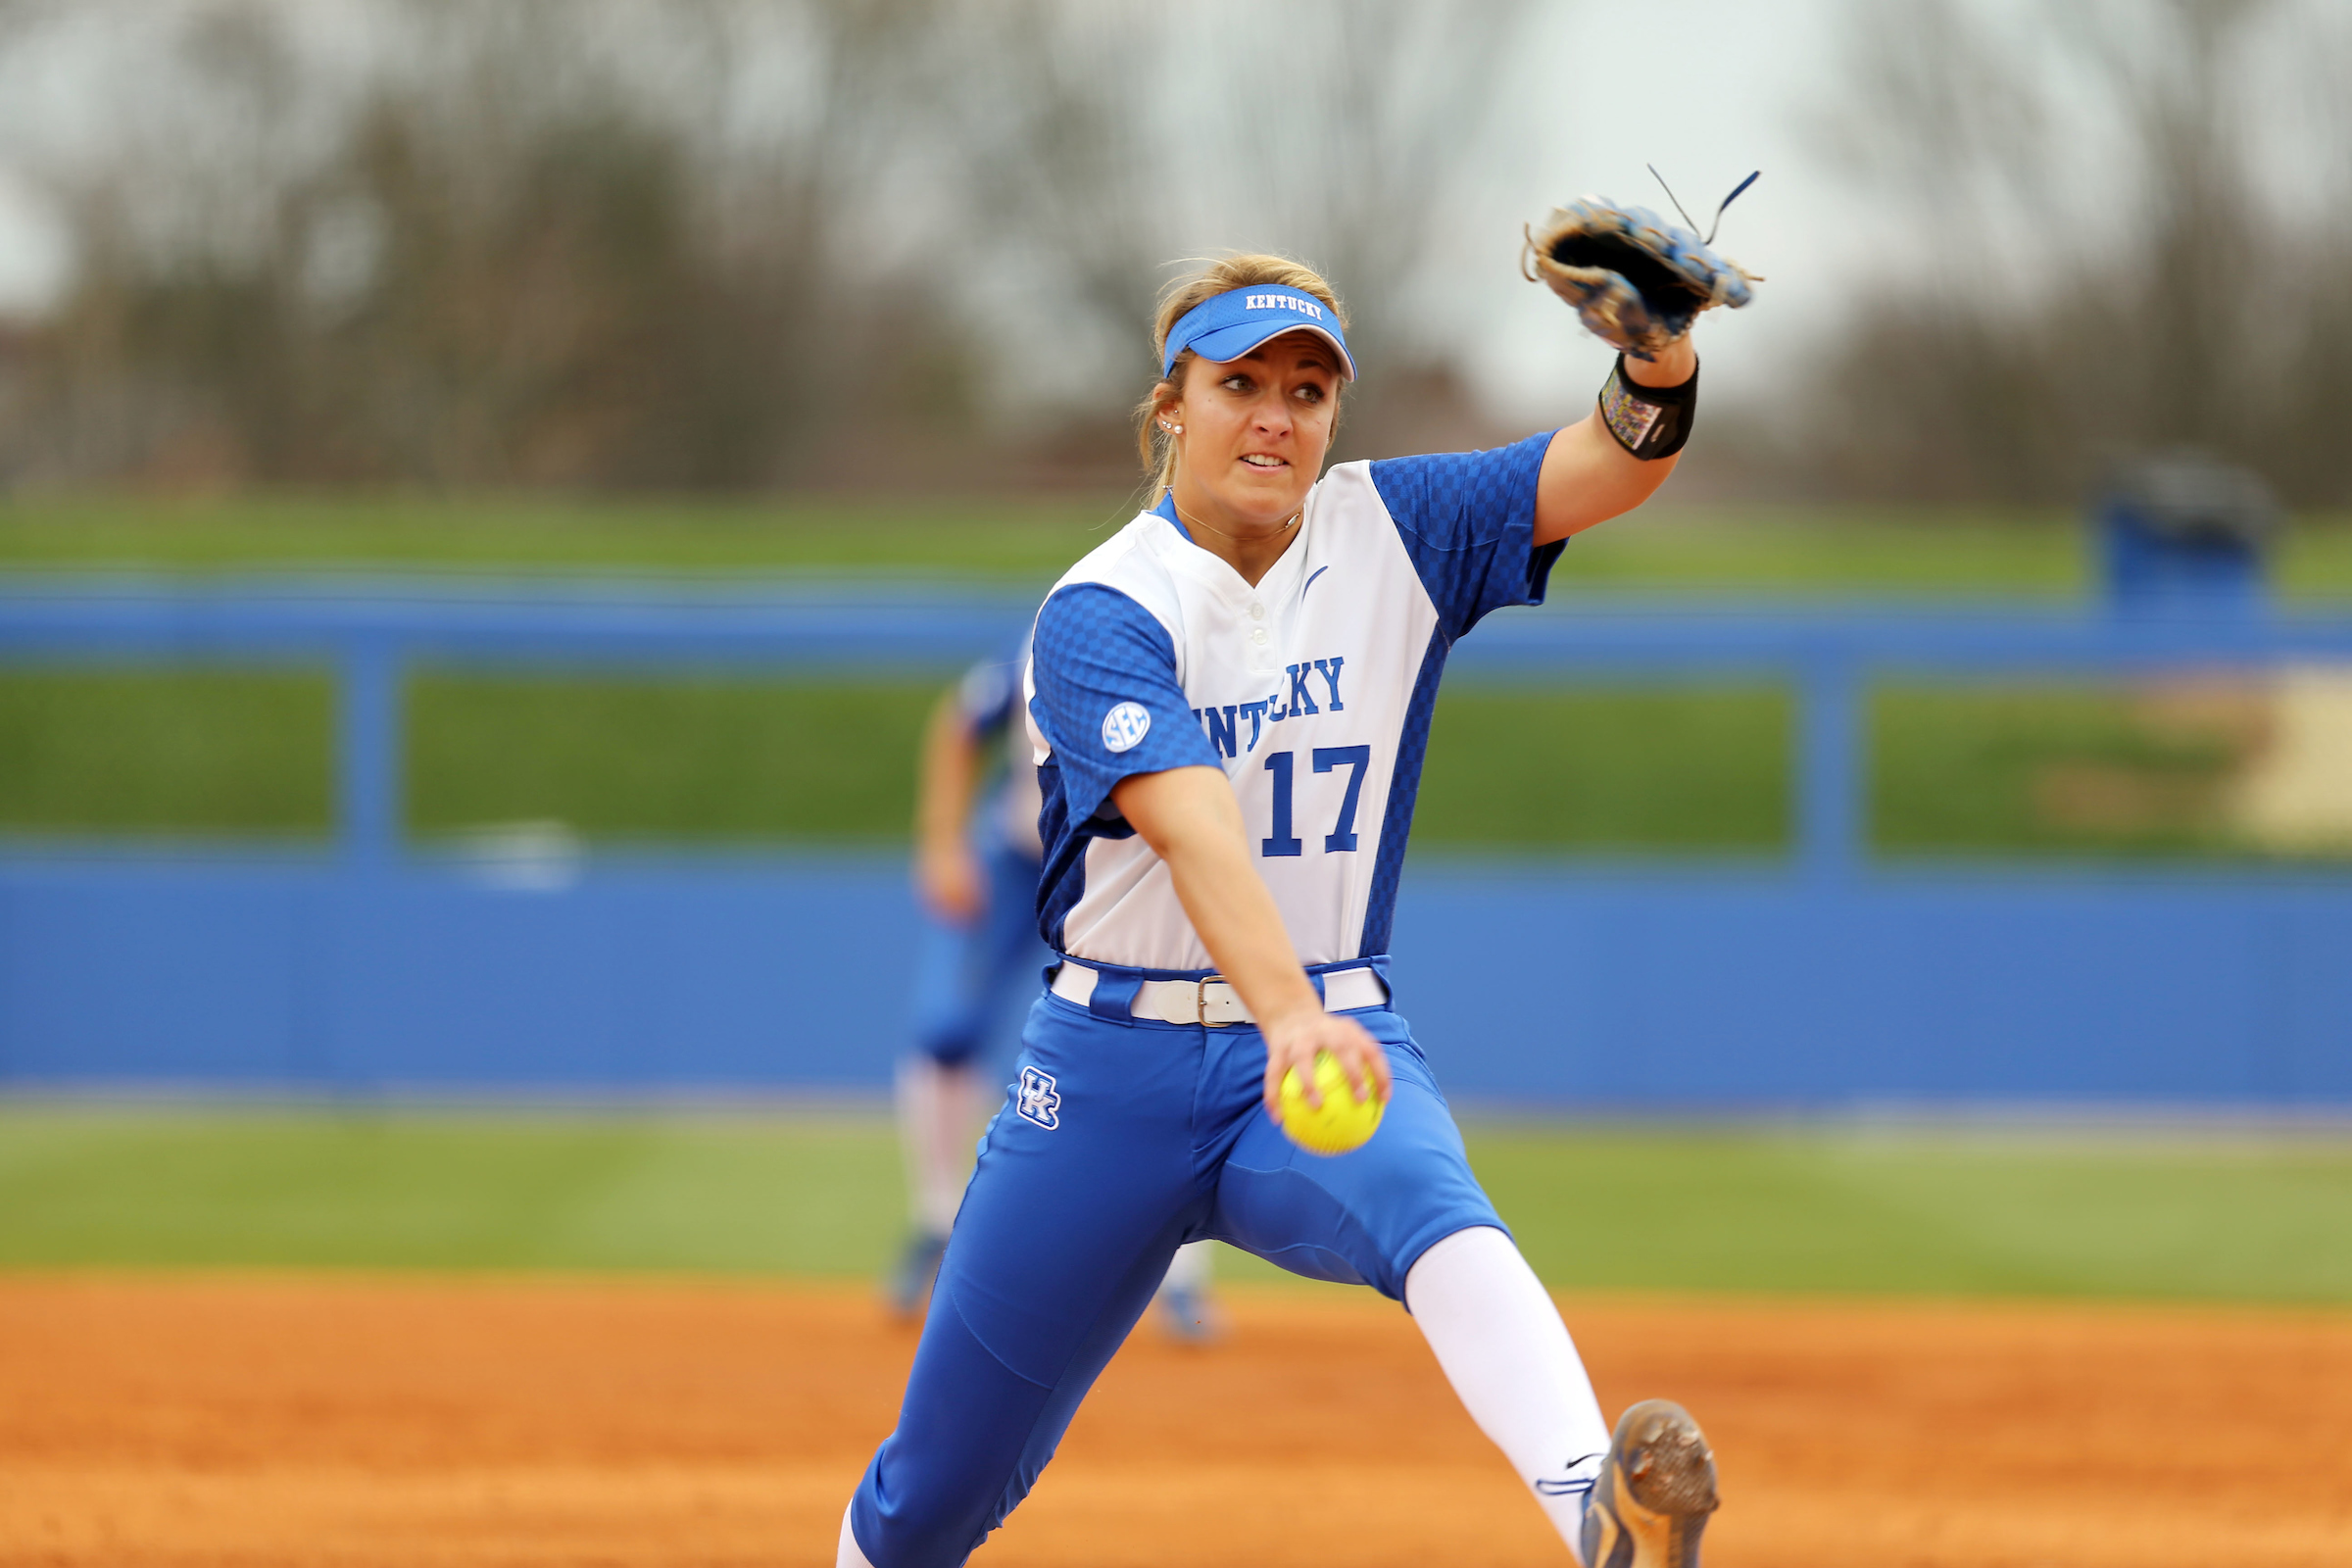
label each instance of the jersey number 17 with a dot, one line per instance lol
(1357, 760)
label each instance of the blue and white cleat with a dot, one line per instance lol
(1655, 1492)
(1187, 1315)
(908, 1288)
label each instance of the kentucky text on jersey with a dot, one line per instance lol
(1224, 723)
(1323, 749)
(1283, 302)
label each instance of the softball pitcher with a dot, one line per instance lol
(1228, 704)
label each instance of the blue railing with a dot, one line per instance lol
(371, 632)
(1832, 653)
(1827, 979)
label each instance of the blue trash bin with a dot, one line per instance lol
(2181, 533)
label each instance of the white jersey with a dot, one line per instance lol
(1312, 690)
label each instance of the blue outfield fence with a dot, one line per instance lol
(1822, 978)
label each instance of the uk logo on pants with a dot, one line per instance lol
(1037, 1100)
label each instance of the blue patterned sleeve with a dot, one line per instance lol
(1107, 698)
(1469, 520)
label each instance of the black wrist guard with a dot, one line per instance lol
(1649, 421)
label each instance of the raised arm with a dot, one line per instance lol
(1638, 283)
(1587, 475)
(1190, 817)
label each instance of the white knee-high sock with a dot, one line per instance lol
(938, 1115)
(1192, 1267)
(1507, 1354)
(847, 1554)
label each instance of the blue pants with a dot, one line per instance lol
(1120, 1140)
(968, 975)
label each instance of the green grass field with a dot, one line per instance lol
(1668, 545)
(210, 751)
(238, 753)
(214, 753)
(2042, 1213)
(1027, 540)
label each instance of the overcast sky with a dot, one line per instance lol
(1729, 93)
(1728, 96)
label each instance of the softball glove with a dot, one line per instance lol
(1636, 280)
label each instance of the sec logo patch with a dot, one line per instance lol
(1125, 726)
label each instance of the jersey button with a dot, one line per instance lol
(1258, 611)
(1257, 635)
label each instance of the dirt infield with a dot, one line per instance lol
(360, 1422)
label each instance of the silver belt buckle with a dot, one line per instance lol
(1201, 1004)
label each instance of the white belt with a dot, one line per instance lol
(1212, 1001)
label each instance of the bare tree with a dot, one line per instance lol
(532, 243)
(706, 242)
(2090, 255)
(1107, 143)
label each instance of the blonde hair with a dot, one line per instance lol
(1157, 446)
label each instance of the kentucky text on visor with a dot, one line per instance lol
(1234, 323)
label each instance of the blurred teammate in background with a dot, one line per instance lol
(977, 859)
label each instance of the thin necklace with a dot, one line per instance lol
(1243, 538)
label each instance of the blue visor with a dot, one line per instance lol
(1233, 323)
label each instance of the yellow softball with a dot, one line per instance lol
(1342, 1123)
